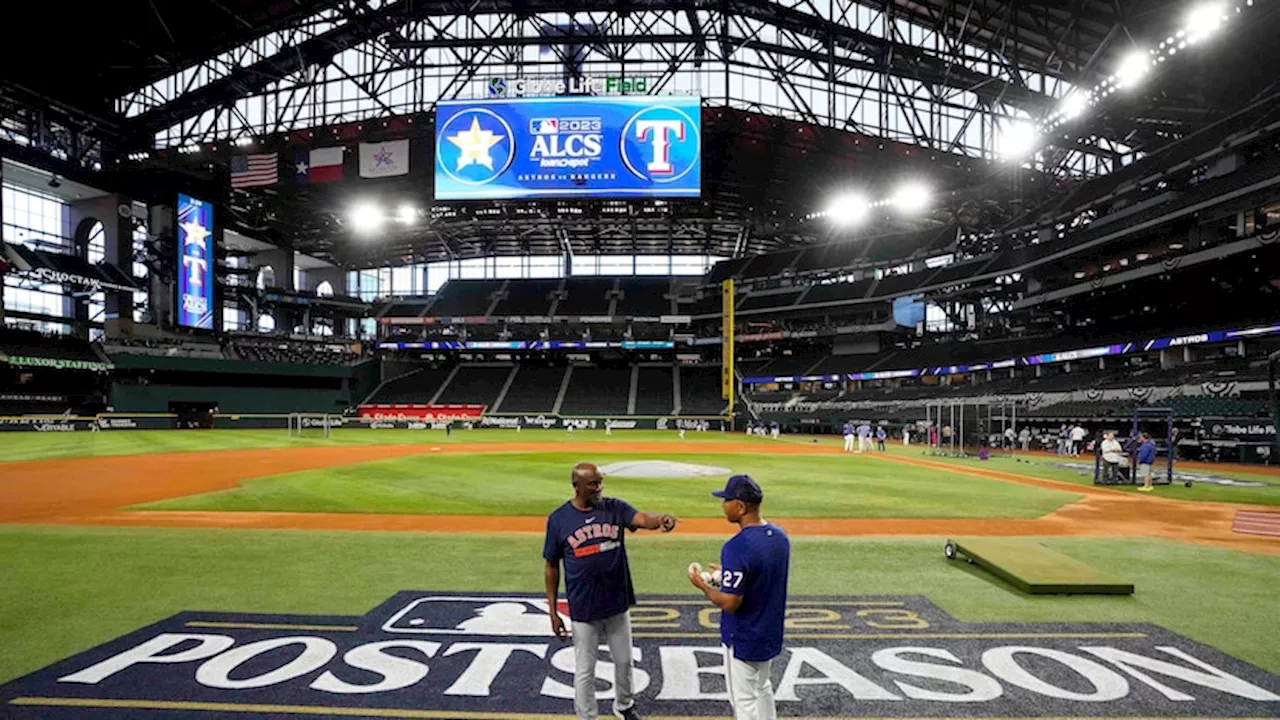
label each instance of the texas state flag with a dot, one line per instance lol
(318, 165)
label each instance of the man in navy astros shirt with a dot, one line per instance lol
(752, 598)
(587, 533)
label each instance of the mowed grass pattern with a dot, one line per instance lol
(536, 483)
(18, 446)
(68, 589)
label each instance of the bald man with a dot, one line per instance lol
(587, 534)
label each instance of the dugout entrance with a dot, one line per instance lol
(194, 415)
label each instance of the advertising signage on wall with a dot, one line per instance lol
(639, 146)
(1152, 344)
(195, 263)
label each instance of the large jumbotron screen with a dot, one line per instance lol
(641, 146)
(195, 263)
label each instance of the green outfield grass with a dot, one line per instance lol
(535, 483)
(67, 589)
(17, 446)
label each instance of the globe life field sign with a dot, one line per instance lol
(579, 146)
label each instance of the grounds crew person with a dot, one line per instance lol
(752, 597)
(588, 533)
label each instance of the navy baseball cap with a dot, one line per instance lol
(741, 487)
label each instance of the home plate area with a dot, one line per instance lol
(444, 655)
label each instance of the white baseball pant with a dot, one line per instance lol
(750, 688)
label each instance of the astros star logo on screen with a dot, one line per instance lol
(475, 146)
(661, 144)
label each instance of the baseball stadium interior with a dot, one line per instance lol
(989, 230)
(1088, 231)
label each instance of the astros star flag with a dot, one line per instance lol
(384, 159)
(318, 165)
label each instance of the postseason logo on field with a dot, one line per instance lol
(482, 655)
(586, 147)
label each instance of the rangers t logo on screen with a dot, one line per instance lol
(195, 266)
(589, 147)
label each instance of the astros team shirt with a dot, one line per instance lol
(597, 579)
(755, 564)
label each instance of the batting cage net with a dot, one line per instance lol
(1116, 450)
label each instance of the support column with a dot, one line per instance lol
(160, 230)
(3, 263)
(115, 214)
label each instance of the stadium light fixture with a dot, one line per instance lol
(407, 214)
(1133, 68)
(1018, 140)
(848, 209)
(1204, 20)
(911, 197)
(366, 217)
(1074, 105)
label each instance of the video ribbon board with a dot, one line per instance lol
(195, 263)
(589, 147)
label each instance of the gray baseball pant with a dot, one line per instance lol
(615, 631)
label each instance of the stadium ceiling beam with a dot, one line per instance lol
(884, 55)
(896, 58)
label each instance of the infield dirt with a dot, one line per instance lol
(92, 491)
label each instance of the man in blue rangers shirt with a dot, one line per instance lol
(752, 598)
(587, 533)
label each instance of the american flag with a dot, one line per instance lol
(254, 170)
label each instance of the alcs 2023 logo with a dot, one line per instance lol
(584, 146)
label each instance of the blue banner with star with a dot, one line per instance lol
(195, 263)
(573, 146)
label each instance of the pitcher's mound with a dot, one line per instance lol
(661, 469)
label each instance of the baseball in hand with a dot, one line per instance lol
(668, 523)
(712, 578)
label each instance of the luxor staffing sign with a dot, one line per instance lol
(195, 263)
(569, 147)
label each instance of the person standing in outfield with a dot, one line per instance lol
(588, 533)
(752, 598)
(848, 436)
(880, 436)
(774, 430)
(1146, 458)
(906, 435)
(1024, 436)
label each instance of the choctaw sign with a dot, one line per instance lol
(442, 655)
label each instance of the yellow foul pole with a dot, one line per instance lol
(728, 383)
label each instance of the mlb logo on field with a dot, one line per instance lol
(492, 616)
(544, 126)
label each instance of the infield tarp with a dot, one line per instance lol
(442, 655)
